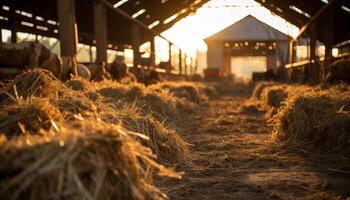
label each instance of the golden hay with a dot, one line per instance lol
(41, 83)
(258, 89)
(72, 105)
(169, 147)
(317, 118)
(88, 160)
(29, 115)
(273, 96)
(195, 92)
(31, 83)
(77, 84)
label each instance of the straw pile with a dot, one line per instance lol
(89, 160)
(269, 96)
(318, 118)
(82, 140)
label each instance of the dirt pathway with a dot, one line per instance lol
(235, 160)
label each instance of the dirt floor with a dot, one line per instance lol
(235, 159)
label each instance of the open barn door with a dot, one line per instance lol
(244, 66)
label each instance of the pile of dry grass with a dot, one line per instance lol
(165, 142)
(195, 92)
(258, 89)
(88, 160)
(318, 118)
(269, 96)
(119, 103)
(28, 116)
(67, 140)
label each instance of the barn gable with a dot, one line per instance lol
(248, 28)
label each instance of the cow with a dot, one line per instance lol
(120, 72)
(338, 71)
(269, 75)
(99, 71)
(30, 55)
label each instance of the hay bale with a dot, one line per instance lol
(28, 116)
(89, 160)
(318, 119)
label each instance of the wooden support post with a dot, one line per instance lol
(68, 33)
(191, 65)
(91, 54)
(186, 70)
(180, 62)
(170, 53)
(328, 28)
(291, 51)
(13, 23)
(196, 62)
(68, 28)
(135, 33)
(1, 36)
(313, 42)
(153, 53)
(13, 36)
(329, 35)
(100, 28)
(314, 72)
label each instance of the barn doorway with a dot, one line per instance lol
(244, 66)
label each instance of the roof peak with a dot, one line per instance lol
(246, 29)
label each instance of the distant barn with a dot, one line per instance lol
(246, 46)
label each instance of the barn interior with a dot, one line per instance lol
(128, 99)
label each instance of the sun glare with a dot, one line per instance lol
(216, 15)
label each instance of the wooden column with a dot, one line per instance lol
(170, 52)
(91, 54)
(312, 42)
(329, 35)
(180, 61)
(100, 27)
(68, 28)
(291, 51)
(13, 22)
(135, 33)
(186, 70)
(192, 66)
(314, 72)
(196, 62)
(13, 36)
(153, 53)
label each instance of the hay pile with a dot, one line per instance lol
(67, 140)
(269, 97)
(190, 91)
(89, 160)
(318, 118)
